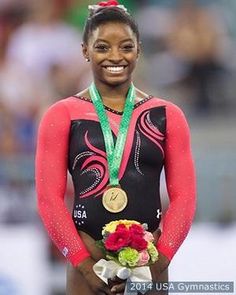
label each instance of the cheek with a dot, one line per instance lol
(133, 60)
(96, 59)
(132, 57)
(95, 62)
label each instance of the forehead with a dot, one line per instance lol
(112, 31)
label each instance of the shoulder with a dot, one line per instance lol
(61, 107)
(64, 102)
(57, 114)
(174, 115)
(171, 108)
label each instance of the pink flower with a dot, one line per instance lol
(148, 236)
(138, 242)
(143, 258)
(117, 240)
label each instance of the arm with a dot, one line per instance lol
(51, 178)
(181, 185)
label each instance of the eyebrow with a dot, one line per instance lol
(105, 41)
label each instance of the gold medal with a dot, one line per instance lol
(114, 199)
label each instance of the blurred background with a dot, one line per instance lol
(189, 57)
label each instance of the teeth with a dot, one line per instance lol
(115, 69)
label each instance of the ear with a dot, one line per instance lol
(85, 51)
(139, 49)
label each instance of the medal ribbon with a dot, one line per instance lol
(114, 152)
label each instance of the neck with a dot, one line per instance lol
(113, 93)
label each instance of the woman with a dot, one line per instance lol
(72, 136)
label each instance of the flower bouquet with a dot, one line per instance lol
(129, 249)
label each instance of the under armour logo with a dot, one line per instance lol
(159, 213)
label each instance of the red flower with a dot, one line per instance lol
(121, 227)
(117, 240)
(138, 243)
(108, 3)
(136, 229)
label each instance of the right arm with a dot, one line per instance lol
(51, 178)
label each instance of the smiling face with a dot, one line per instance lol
(113, 51)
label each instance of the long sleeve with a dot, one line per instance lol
(180, 181)
(51, 178)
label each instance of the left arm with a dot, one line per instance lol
(181, 186)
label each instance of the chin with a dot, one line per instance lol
(116, 81)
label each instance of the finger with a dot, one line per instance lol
(116, 281)
(102, 289)
(118, 288)
(157, 234)
(104, 292)
(107, 290)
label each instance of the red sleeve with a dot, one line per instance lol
(51, 178)
(180, 181)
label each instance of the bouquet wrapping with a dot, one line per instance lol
(129, 250)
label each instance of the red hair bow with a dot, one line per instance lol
(108, 3)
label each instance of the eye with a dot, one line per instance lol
(101, 47)
(128, 47)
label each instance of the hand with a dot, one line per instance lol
(159, 266)
(162, 263)
(94, 282)
(117, 285)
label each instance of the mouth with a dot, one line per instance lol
(115, 69)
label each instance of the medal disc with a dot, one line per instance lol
(114, 199)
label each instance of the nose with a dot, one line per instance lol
(115, 55)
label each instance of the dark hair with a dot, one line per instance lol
(108, 14)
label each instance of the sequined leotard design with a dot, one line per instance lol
(70, 137)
